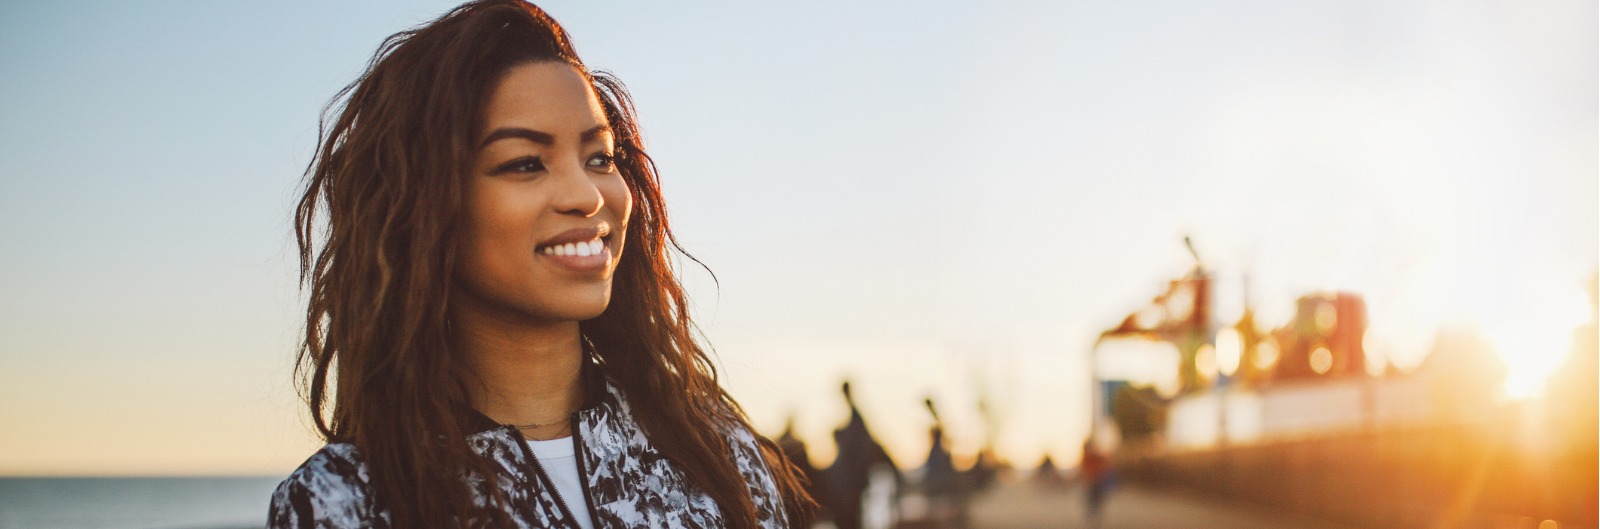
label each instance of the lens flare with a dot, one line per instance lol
(1534, 342)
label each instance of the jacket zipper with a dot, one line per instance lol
(538, 471)
(583, 473)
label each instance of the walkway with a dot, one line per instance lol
(1026, 506)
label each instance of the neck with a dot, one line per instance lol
(522, 373)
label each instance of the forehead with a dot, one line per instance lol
(548, 96)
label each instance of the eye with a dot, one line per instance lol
(604, 161)
(527, 164)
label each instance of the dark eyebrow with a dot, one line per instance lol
(594, 132)
(542, 138)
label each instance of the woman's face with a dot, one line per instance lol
(547, 208)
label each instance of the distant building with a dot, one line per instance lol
(1324, 338)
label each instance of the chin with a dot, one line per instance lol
(577, 308)
(588, 313)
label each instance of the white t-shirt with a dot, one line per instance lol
(561, 464)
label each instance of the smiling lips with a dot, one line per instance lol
(582, 250)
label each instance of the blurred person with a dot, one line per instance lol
(795, 450)
(1048, 475)
(985, 471)
(859, 457)
(1094, 470)
(495, 336)
(941, 483)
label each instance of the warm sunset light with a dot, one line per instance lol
(1376, 359)
(1321, 360)
(1534, 342)
(1140, 362)
(1319, 258)
(1266, 354)
(1205, 362)
(1229, 350)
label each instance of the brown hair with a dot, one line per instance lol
(388, 181)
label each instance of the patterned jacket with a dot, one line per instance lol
(627, 482)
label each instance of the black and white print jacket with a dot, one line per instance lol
(627, 483)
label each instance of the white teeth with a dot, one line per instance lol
(579, 249)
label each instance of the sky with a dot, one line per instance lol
(945, 199)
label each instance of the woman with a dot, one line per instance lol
(495, 337)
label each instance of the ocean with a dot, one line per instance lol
(135, 503)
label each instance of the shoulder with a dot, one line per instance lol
(743, 440)
(329, 490)
(752, 454)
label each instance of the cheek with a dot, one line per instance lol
(498, 221)
(485, 222)
(619, 198)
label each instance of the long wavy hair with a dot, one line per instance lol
(377, 226)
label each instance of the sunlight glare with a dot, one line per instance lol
(1229, 350)
(1205, 362)
(1266, 354)
(1375, 360)
(1534, 342)
(1321, 360)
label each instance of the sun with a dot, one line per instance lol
(1534, 341)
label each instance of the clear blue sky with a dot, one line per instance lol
(933, 198)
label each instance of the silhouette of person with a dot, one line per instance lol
(939, 471)
(859, 454)
(795, 449)
(1095, 470)
(942, 484)
(1048, 475)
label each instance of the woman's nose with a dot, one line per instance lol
(576, 192)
